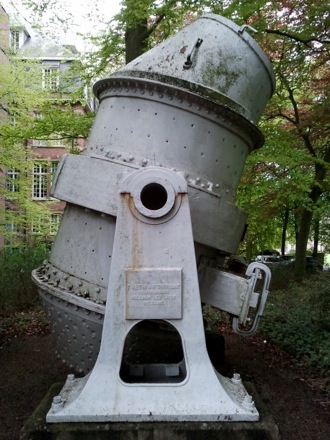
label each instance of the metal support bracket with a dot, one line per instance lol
(244, 298)
(258, 273)
(153, 276)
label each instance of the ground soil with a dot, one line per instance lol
(294, 396)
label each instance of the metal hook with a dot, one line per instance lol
(188, 63)
(246, 26)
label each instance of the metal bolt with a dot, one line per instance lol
(57, 399)
(248, 402)
(236, 379)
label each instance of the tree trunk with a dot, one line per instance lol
(316, 237)
(136, 41)
(301, 243)
(284, 229)
(249, 251)
(307, 215)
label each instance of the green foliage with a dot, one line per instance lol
(28, 112)
(215, 318)
(162, 19)
(17, 291)
(291, 172)
(63, 122)
(297, 319)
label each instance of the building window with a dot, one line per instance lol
(57, 141)
(51, 77)
(37, 227)
(53, 169)
(12, 233)
(39, 181)
(12, 118)
(55, 220)
(54, 140)
(13, 180)
(39, 143)
(14, 39)
(46, 225)
(12, 227)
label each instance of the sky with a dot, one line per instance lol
(83, 16)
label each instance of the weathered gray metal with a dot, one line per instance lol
(245, 294)
(153, 276)
(212, 58)
(187, 109)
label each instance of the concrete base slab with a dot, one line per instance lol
(36, 427)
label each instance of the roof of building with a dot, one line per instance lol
(43, 48)
(40, 46)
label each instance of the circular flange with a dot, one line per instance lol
(156, 193)
(154, 198)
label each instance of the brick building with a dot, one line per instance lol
(4, 48)
(55, 60)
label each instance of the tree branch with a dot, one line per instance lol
(305, 41)
(161, 15)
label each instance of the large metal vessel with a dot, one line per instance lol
(191, 104)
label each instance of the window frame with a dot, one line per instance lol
(54, 225)
(14, 39)
(51, 76)
(40, 181)
(12, 180)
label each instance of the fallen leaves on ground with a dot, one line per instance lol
(25, 323)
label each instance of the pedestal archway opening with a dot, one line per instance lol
(153, 353)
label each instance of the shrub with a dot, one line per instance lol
(297, 319)
(281, 276)
(17, 291)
